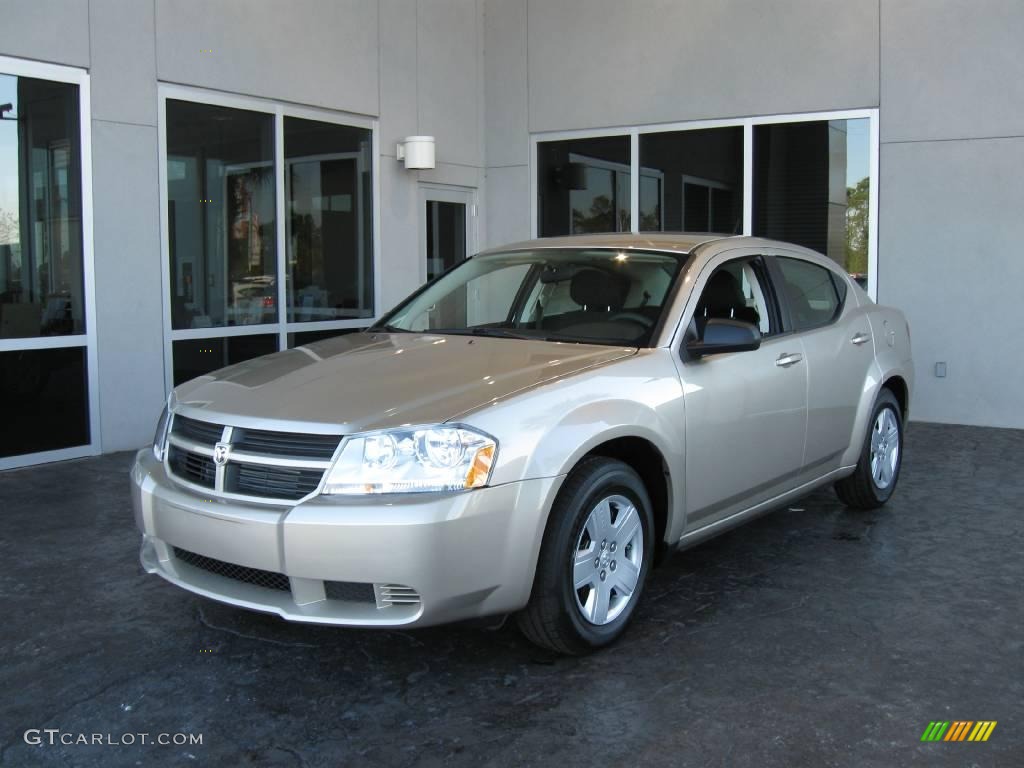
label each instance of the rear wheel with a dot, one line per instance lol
(878, 468)
(594, 559)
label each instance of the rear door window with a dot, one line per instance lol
(810, 293)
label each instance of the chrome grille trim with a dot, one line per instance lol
(246, 473)
(395, 594)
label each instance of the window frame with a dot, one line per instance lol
(63, 74)
(279, 110)
(747, 123)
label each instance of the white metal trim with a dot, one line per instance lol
(873, 184)
(634, 183)
(280, 230)
(534, 189)
(44, 457)
(748, 179)
(44, 342)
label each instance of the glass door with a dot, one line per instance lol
(48, 396)
(448, 228)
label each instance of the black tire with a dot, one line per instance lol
(552, 619)
(860, 490)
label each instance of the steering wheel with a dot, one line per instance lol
(635, 317)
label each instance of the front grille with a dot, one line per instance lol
(272, 482)
(254, 576)
(285, 443)
(199, 431)
(349, 591)
(193, 467)
(191, 449)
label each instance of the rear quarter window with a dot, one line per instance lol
(810, 292)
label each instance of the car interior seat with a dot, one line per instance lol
(723, 298)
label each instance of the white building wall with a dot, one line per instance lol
(946, 75)
(417, 65)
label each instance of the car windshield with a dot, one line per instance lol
(591, 296)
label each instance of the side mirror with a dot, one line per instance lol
(721, 335)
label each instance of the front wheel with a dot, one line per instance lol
(594, 559)
(878, 468)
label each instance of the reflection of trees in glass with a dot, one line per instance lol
(307, 245)
(651, 221)
(600, 218)
(857, 227)
(9, 233)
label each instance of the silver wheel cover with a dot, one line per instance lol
(885, 448)
(607, 559)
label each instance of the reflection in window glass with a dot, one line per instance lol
(583, 186)
(692, 181)
(196, 357)
(811, 187)
(308, 337)
(40, 209)
(328, 193)
(44, 400)
(810, 292)
(220, 215)
(446, 236)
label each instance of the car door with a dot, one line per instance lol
(838, 352)
(745, 412)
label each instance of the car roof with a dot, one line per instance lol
(676, 242)
(672, 242)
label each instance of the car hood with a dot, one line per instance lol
(362, 381)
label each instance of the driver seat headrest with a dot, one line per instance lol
(596, 291)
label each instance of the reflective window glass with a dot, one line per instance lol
(41, 291)
(221, 216)
(446, 236)
(583, 186)
(196, 357)
(328, 196)
(44, 400)
(692, 181)
(811, 187)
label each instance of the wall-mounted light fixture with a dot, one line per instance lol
(416, 152)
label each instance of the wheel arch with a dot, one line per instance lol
(647, 460)
(901, 391)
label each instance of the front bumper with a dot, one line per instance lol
(418, 559)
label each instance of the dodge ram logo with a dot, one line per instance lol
(220, 454)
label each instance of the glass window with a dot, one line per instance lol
(692, 181)
(734, 292)
(41, 289)
(44, 400)
(583, 186)
(328, 194)
(221, 216)
(446, 236)
(810, 293)
(308, 337)
(196, 357)
(811, 187)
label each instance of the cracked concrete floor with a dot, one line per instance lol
(813, 636)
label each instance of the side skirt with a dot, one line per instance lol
(738, 518)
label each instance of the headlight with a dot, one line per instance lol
(414, 460)
(160, 436)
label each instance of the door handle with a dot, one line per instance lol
(788, 359)
(860, 338)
